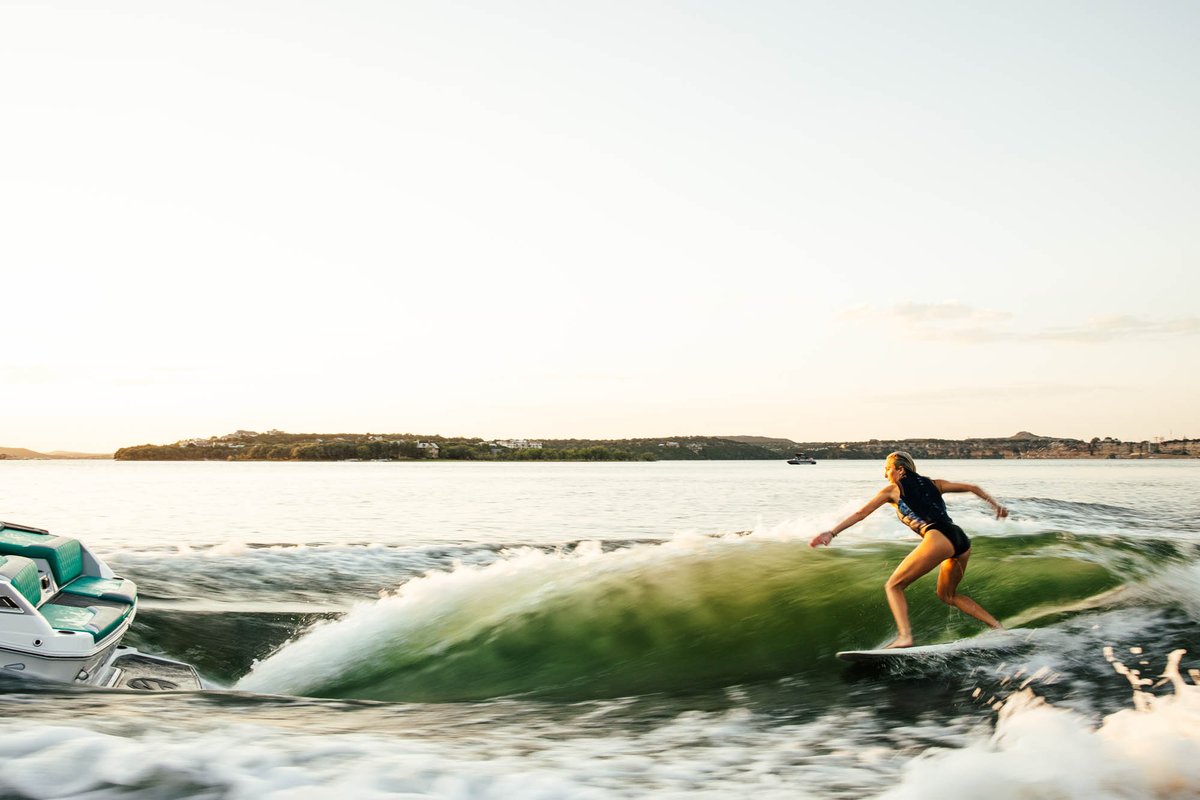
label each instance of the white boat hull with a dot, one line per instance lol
(61, 669)
(114, 667)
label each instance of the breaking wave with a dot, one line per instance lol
(692, 613)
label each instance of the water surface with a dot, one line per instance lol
(610, 630)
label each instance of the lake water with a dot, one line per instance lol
(546, 630)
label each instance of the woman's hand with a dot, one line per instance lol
(1001, 511)
(823, 538)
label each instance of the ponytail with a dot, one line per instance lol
(902, 459)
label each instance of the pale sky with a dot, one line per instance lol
(816, 220)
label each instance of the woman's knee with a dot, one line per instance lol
(896, 583)
(947, 594)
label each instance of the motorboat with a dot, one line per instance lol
(63, 613)
(800, 458)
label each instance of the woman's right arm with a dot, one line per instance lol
(885, 496)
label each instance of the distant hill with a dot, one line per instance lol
(765, 441)
(20, 452)
(25, 453)
(280, 446)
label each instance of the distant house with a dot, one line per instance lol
(428, 449)
(519, 444)
(236, 436)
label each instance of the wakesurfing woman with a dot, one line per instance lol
(919, 505)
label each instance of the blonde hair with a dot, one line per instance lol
(902, 459)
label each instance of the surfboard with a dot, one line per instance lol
(992, 640)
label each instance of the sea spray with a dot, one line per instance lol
(1041, 751)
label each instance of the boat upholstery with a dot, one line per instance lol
(23, 575)
(67, 612)
(63, 554)
(84, 603)
(121, 590)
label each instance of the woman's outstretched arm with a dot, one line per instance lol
(885, 496)
(951, 486)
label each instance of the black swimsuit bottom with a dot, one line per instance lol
(960, 541)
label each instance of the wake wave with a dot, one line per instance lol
(689, 614)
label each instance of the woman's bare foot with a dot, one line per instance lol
(901, 641)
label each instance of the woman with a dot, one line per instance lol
(919, 504)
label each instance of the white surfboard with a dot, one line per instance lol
(992, 640)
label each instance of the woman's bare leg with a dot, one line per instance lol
(951, 573)
(933, 550)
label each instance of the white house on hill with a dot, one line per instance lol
(519, 444)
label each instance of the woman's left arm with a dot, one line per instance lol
(951, 486)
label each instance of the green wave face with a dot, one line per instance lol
(690, 614)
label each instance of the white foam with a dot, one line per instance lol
(1040, 751)
(1176, 585)
(1036, 751)
(696, 755)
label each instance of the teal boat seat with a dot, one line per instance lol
(122, 590)
(63, 554)
(23, 575)
(85, 614)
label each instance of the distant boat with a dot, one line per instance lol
(800, 458)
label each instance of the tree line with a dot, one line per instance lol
(278, 446)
